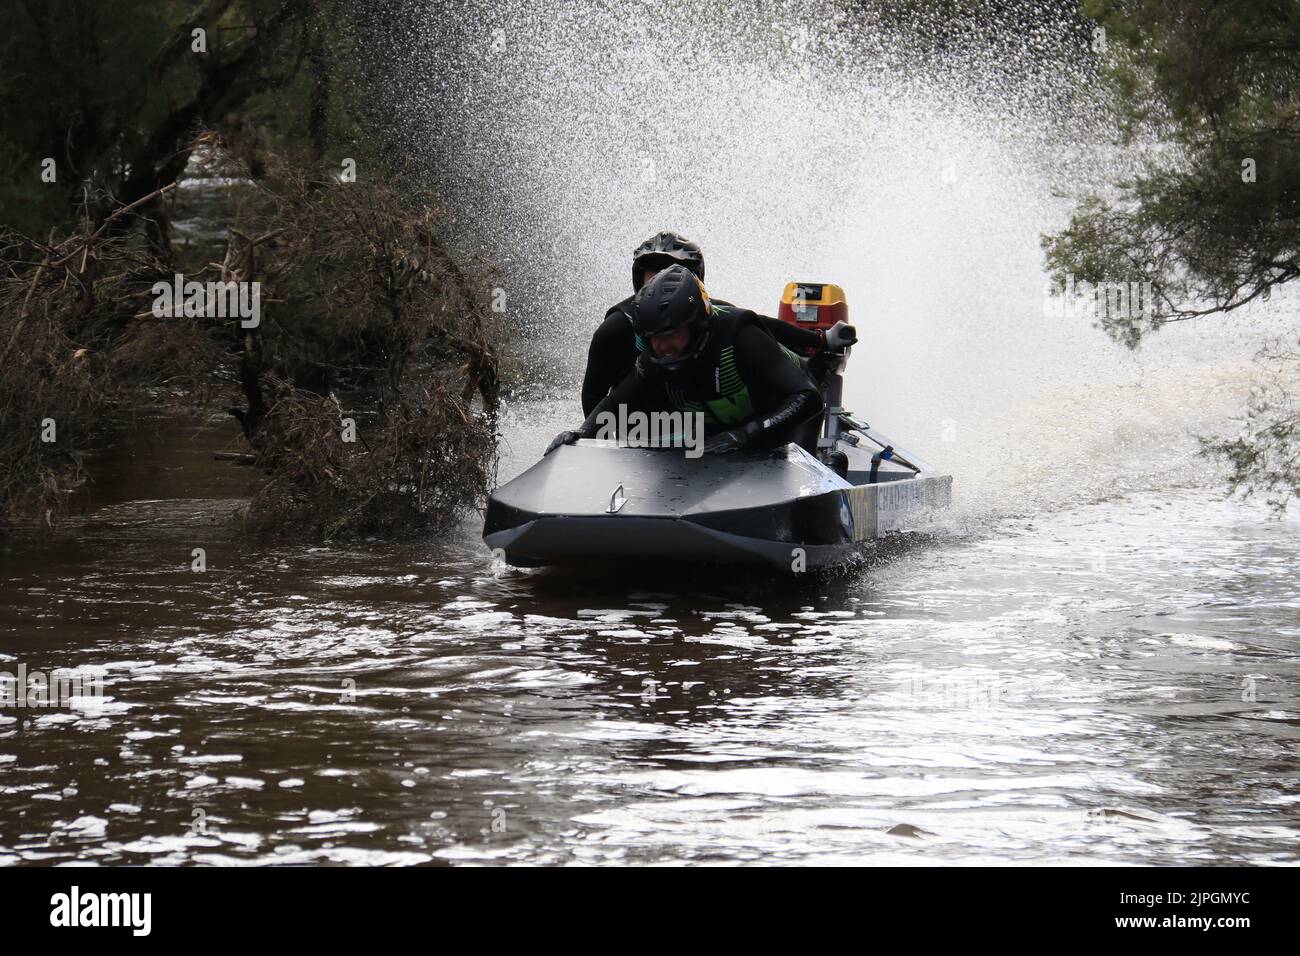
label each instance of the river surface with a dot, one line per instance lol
(1093, 661)
(1113, 682)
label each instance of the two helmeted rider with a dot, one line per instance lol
(616, 345)
(671, 348)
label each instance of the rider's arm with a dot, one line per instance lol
(784, 397)
(637, 391)
(792, 336)
(612, 349)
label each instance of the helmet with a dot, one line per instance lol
(672, 299)
(664, 250)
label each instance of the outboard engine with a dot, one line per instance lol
(813, 305)
(819, 305)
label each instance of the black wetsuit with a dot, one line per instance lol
(743, 376)
(614, 350)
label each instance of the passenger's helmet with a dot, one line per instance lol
(672, 299)
(665, 249)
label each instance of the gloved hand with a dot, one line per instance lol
(563, 438)
(731, 440)
(840, 336)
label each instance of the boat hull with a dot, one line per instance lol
(597, 500)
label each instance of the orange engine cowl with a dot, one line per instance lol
(813, 305)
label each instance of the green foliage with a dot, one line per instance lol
(115, 93)
(66, 92)
(1213, 218)
(1265, 456)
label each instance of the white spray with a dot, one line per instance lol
(799, 141)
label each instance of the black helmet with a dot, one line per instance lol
(672, 299)
(664, 250)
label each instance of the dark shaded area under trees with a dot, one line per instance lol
(368, 390)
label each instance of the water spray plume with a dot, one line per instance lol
(911, 155)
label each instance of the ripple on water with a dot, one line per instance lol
(969, 701)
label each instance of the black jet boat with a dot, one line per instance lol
(598, 500)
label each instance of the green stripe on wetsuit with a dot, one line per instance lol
(733, 404)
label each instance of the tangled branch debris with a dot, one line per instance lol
(359, 299)
(356, 269)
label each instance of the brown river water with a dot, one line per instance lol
(1109, 682)
(1093, 661)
